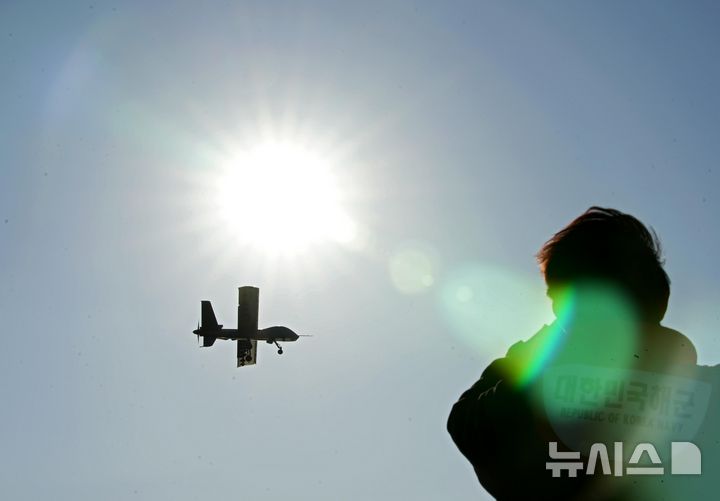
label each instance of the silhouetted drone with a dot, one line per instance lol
(247, 333)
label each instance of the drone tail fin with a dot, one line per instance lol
(208, 320)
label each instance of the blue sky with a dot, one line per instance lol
(466, 134)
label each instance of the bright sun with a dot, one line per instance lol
(282, 198)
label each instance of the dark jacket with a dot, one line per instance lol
(501, 427)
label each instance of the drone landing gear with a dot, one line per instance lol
(280, 350)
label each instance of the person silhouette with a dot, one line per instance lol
(603, 381)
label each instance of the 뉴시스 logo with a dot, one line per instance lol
(685, 459)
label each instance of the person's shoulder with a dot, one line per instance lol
(709, 373)
(677, 343)
(506, 368)
(527, 348)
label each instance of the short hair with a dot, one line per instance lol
(609, 245)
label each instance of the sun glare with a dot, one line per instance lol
(282, 198)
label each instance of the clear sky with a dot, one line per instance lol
(459, 136)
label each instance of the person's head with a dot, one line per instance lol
(609, 246)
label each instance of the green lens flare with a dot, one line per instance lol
(551, 338)
(595, 325)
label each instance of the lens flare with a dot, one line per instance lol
(596, 325)
(488, 307)
(413, 269)
(551, 337)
